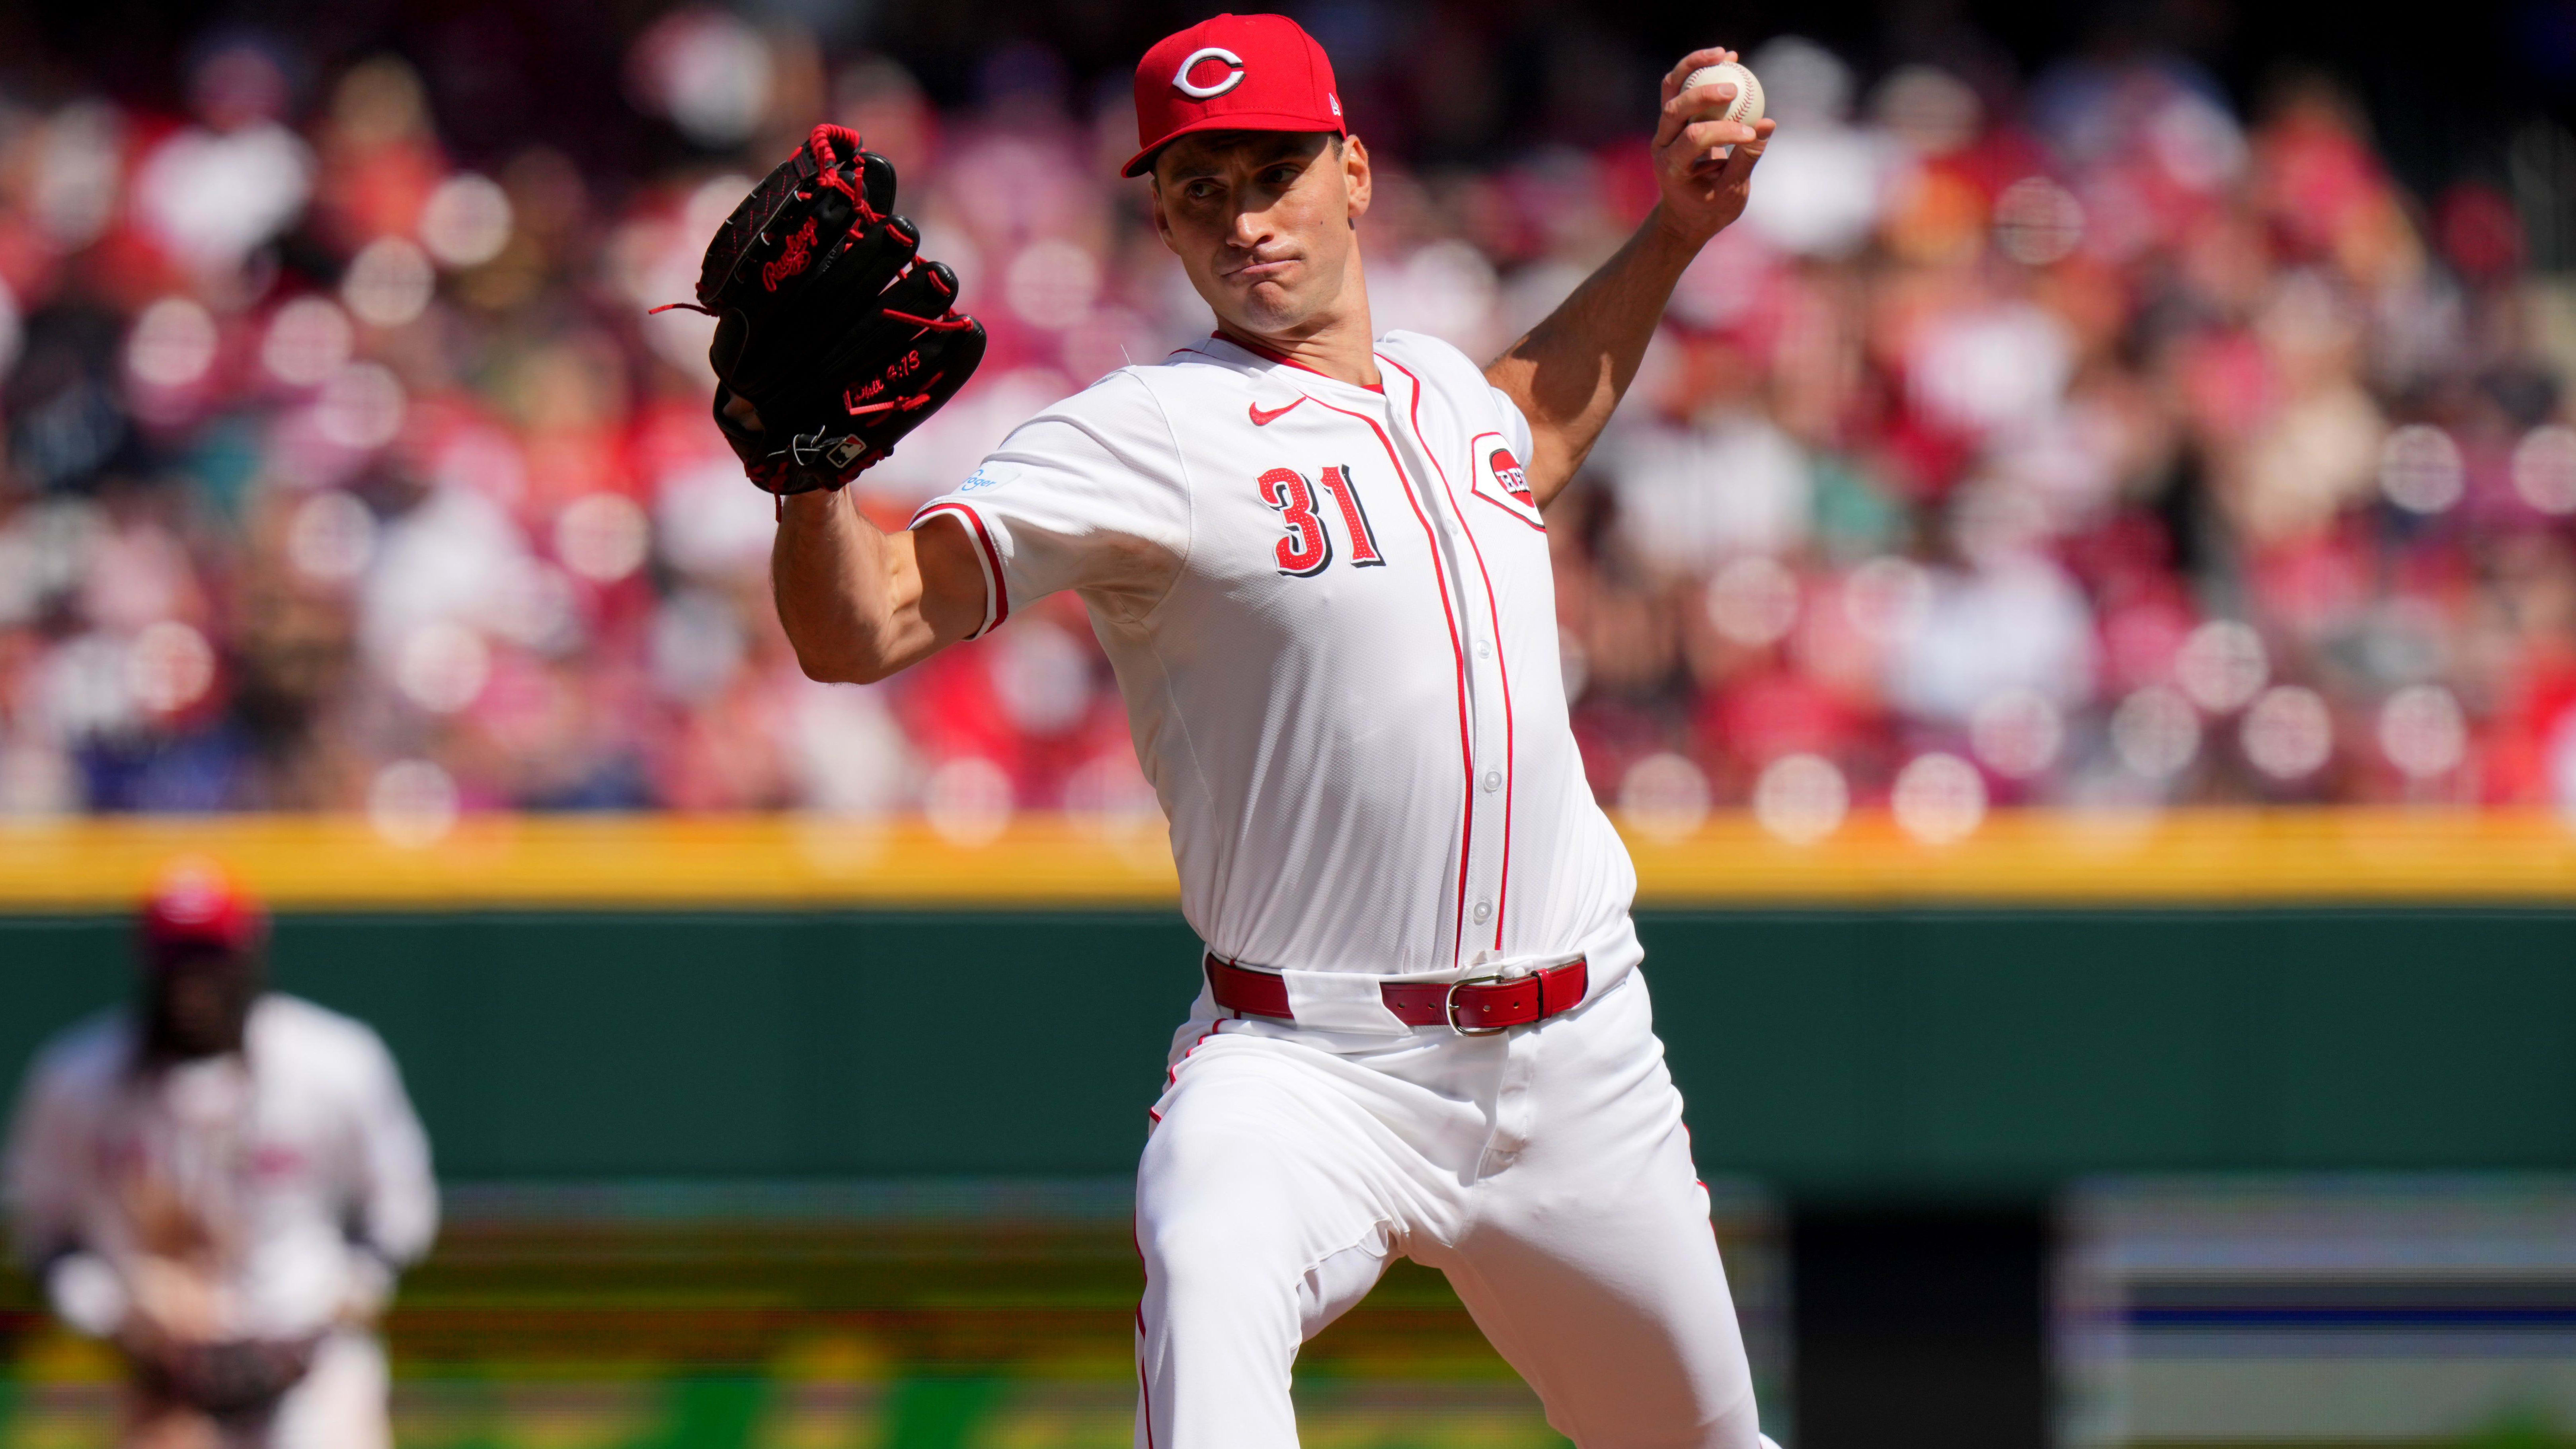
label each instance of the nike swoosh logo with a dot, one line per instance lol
(1262, 419)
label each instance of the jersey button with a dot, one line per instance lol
(1484, 912)
(1493, 779)
(1484, 649)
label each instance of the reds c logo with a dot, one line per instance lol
(1233, 73)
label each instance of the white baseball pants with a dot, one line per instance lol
(1545, 1171)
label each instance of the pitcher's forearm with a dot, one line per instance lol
(840, 586)
(1569, 373)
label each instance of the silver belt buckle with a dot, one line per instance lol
(1449, 1007)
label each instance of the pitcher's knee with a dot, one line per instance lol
(1197, 1253)
(1204, 1267)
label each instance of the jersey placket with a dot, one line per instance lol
(1488, 823)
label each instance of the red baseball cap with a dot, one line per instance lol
(1233, 73)
(196, 902)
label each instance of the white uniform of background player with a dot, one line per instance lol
(1329, 605)
(263, 1196)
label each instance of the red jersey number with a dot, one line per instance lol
(1306, 549)
(1364, 554)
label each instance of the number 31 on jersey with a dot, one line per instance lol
(1306, 548)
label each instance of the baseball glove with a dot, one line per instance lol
(231, 1379)
(840, 337)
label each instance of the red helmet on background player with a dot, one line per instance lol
(201, 934)
(197, 905)
(1233, 73)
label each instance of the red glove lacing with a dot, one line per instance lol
(820, 141)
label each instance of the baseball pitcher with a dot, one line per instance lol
(1318, 560)
(222, 1183)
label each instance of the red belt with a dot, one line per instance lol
(1479, 1006)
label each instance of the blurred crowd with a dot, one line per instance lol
(2087, 439)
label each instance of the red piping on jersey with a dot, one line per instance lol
(1493, 613)
(1268, 354)
(1466, 739)
(992, 559)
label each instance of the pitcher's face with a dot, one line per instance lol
(1263, 223)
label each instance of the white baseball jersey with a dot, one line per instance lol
(1331, 613)
(258, 1195)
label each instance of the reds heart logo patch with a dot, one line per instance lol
(1502, 481)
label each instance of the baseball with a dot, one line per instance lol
(1747, 106)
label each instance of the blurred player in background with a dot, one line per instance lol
(223, 1182)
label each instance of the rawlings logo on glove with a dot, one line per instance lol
(800, 249)
(828, 324)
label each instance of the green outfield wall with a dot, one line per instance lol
(1853, 1051)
